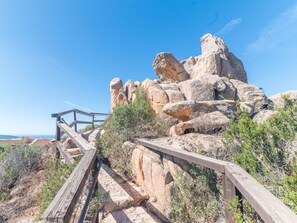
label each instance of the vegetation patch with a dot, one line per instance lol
(15, 163)
(55, 176)
(265, 151)
(195, 196)
(127, 122)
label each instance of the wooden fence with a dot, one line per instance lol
(269, 208)
(62, 206)
(235, 179)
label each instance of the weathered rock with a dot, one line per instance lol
(173, 92)
(278, 101)
(189, 64)
(186, 110)
(206, 124)
(197, 89)
(182, 110)
(250, 93)
(194, 142)
(263, 115)
(136, 162)
(216, 81)
(167, 67)
(229, 93)
(118, 97)
(212, 44)
(230, 65)
(208, 63)
(129, 89)
(156, 96)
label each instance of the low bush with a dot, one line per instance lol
(56, 174)
(195, 196)
(127, 122)
(265, 151)
(15, 163)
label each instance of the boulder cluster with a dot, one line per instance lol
(202, 92)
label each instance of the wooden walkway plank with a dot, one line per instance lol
(77, 139)
(66, 155)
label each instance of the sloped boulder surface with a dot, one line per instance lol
(250, 93)
(206, 124)
(186, 110)
(169, 68)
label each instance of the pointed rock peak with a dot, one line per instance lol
(212, 44)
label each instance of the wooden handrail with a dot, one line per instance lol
(80, 112)
(63, 204)
(269, 208)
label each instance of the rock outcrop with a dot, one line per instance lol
(218, 60)
(155, 94)
(202, 84)
(205, 124)
(169, 68)
(251, 94)
(186, 110)
(118, 96)
(278, 99)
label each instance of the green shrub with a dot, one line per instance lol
(15, 163)
(260, 148)
(56, 174)
(195, 197)
(127, 122)
(249, 216)
(263, 150)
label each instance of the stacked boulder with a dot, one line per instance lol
(202, 89)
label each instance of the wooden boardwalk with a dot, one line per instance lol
(235, 180)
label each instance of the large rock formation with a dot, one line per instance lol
(217, 59)
(198, 85)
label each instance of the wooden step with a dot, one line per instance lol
(129, 215)
(121, 194)
(78, 155)
(74, 151)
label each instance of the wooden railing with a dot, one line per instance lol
(58, 117)
(235, 180)
(62, 206)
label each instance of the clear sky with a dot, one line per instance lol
(57, 55)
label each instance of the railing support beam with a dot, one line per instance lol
(229, 194)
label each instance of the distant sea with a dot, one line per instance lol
(31, 136)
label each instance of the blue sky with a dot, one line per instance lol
(57, 55)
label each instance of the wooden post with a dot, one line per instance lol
(93, 118)
(229, 194)
(75, 125)
(58, 137)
